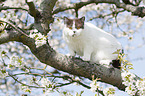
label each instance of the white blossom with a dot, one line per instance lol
(94, 85)
(3, 74)
(18, 3)
(64, 2)
(16, 61)
(39, 39)
(2, 26)
(128, 78)
(110, 91)
(32, 35)
(140, 84)
(131, 90)
(45, 82)
(40, 42)
(132, 85)
(144, 2)
(25, 88)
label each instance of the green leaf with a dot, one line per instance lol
(117, 52)
(82, 92)
(3, 52)
(64, 92)
(10, 65)
(130, 67)
(3, 71)
(28, 90)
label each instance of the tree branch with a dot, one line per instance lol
(14, 27)
(24, 83)
(7, 7)
(6, 37)
(43, 19)
(135, 10)
(72, 6)
(65, 77)
(103, 16)
(32, 9)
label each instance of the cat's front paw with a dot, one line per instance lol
(86, 58)
(69, 55)
(107, 62)
(72, 53)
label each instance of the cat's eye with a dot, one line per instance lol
(78, 27)
(70, 27)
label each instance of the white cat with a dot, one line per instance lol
(89, 41)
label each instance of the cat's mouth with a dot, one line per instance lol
(74, 35)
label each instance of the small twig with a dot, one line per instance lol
(118, 25)
(23, 83)
(63, 77)
(7, 7)
(103, 16)
(73, 6)
(14, 26)
(63, 84)
(88, 87)
(76, 11)
(39, 69)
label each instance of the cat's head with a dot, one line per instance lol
(74, 26)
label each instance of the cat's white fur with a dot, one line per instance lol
(92, 43)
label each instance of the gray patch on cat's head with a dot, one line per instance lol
(68, 22)
(79, 22)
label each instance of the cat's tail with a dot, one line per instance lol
(117, 63)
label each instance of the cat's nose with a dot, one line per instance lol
(74, 31)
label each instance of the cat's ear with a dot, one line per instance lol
(82, 19)
(65, 19)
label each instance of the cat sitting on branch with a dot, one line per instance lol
(90, 42)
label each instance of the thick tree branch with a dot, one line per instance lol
(43, 19)
(6, 37)
(11, 34)
(135, 10)
(32, 9)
